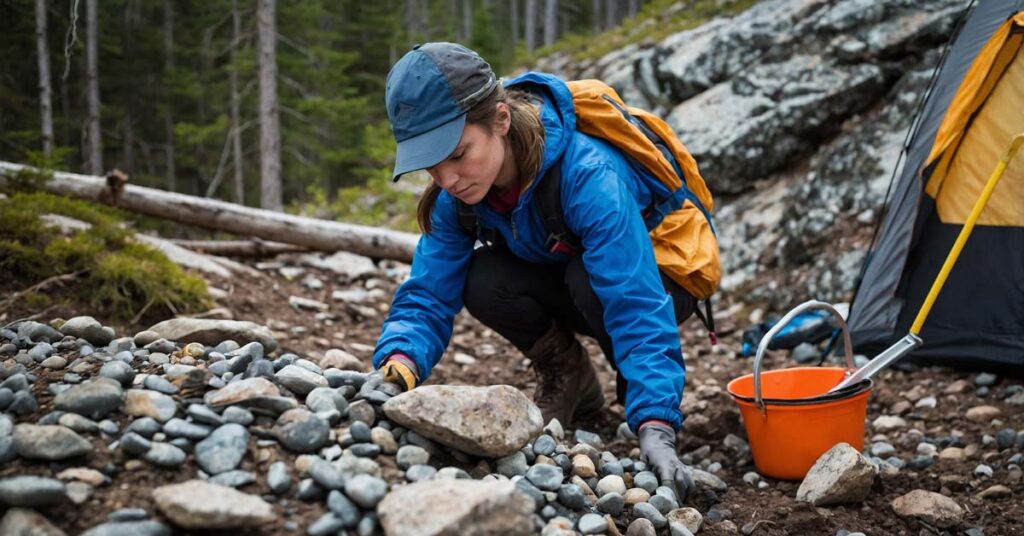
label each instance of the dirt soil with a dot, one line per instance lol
(712, 416)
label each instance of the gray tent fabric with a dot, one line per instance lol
(879, 305)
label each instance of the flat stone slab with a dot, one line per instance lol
(490, 421)
(200, 505)
(212, 332)
(455, 507)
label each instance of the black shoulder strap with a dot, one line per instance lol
(467, 218)
(548, 197)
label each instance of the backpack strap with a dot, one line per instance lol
(469, 222)
(548, 198)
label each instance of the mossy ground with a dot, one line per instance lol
(117, 277)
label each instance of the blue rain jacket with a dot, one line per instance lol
(602, 198)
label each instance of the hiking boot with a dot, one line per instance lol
(567, 385)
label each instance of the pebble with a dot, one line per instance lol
(360, 432)
(164, 455)
(611, 503)
(278, 478)
(592, 524)
(49, 442)
(572, 497)
(118, 371)
(588, 438)
(233, 479)
(983, 470)
(23, 403)
(610, 484)
(128, 514)
(545, 477)
(1006, 438)
(93, 399)
(238, 415)
(417, 473)
(410, 455)
(985, 379)
(54, 363)
(223, 449)
(998, 491)
(342, 507)
(649, 512)
(366, 491)
(160, 385)
(554, 429)
(181, 428)
(32, 491)
(326, 475)
(636, 495)
(301, 431)
(544, 445)
(582, 466)
(882, 449)
(641, 527)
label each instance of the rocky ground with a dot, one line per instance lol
(275, 427)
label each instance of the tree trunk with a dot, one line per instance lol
(239, 248)
(531, 25)
(595, 16)
(412, 10)
(92, 70)
(270, 120)
(236, 135)
(550, 22)
(513, 8)
(170, 170)
(634, 8)
(45, 90)
(323, 235)
(467, 20)
(611, 14)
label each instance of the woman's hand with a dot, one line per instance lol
(400, 370)
(658, 449)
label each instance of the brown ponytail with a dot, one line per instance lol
(525, 136)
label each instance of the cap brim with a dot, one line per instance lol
(428, 149)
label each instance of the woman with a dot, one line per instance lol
(487, 146)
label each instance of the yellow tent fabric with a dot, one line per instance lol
(986, 113)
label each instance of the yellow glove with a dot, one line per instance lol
(397, 370)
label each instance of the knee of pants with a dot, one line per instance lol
(482, 280)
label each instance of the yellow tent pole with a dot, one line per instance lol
(965, 232)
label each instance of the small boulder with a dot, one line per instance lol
(452, 507)
(930, 507)
(200, 505)
(840, 476)
(491, 421)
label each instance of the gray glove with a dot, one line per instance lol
(658, 449)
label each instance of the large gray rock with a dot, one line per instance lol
(840, 476)
(49, 442)
(212, 332)
(929, 507)
(88, 328)
(200, 505)
(93, 399)
(299, 430)
(456, 507)
(485, 421)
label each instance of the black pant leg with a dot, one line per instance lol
(517, 299)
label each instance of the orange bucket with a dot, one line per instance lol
(791, 418)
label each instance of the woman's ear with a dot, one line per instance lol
(504, 122)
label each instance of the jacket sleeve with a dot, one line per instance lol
(638, 313)
(419, 323)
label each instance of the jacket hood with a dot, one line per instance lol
(557, 114)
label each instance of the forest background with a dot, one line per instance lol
(274, 104)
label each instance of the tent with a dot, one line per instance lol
(974, 108)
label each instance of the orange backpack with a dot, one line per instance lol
(682, 231)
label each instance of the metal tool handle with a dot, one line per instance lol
(881, 362)
(812, 304)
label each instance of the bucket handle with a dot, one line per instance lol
(763, 346)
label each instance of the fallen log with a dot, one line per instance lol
(317, 234)
(240, 248)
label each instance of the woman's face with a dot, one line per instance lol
(475, 164)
